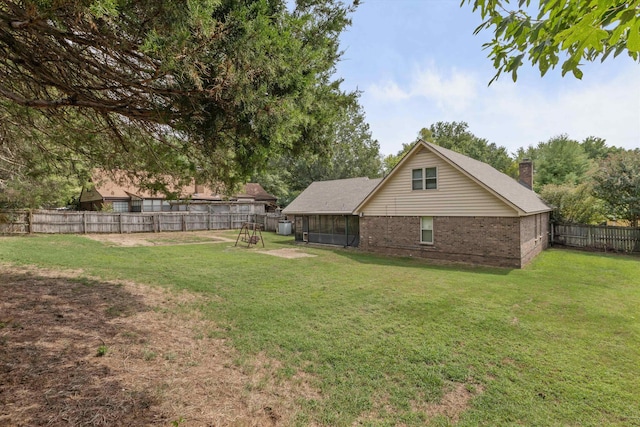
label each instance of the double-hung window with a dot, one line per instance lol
(426, 230)
(431, 178)
(416, 179)
(424, 179)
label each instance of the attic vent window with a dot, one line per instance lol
(426, 178)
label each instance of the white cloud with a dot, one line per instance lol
(388, 91)
(511, 115)
(520, 115)
(454, 90)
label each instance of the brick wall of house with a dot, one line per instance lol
(491, 241)
(534, 236)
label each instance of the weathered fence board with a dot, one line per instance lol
(74, 222)
(14, 222)
(269, 222)
(597, 237)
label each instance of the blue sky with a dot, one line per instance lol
(417, 62)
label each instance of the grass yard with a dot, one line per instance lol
(386, 341)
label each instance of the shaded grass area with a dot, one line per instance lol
(43, 382)
(384, 339)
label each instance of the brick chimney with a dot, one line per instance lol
(526, 173)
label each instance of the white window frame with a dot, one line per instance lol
(424, 180)
(427, 178)
(426, 227)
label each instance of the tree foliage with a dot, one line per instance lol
(38, 173)
(457, 137)
(550, 32)
(573, 204)
(597, 148)
(391, 160)
(560, 160)
(617, 182)
(352, 153)
(209, 89)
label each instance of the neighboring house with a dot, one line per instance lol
(119, 194)
(254, 191)
(440, 204)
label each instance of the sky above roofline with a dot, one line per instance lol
(417, 62)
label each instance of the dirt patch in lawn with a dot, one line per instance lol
(161, 239)
(453, 403)
(289, 253)
(78, 351)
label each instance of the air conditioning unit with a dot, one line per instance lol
(305, 236)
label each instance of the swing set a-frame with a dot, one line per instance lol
(251, 234)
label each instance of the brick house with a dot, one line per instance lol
(119, 193)
(440, 204)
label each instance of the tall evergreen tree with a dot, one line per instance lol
(209, 89)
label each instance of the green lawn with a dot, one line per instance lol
(557, 343)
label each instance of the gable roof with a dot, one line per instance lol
(253, 190)
(336, 197)
(504, 187)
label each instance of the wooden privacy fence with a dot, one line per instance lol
(80, 222)
(597, 237)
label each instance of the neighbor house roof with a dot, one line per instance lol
(255, 191)
(119, 185)
(503, 186)
(336, 197)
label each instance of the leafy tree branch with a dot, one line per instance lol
(552, 32)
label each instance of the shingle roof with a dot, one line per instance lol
(339, 197)
(255, 191)
(502, 185)
(119, 185)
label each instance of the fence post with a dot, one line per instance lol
(184, 223)
(84, 223)
(30, 220)
(120, 222)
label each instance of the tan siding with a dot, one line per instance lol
(457, 195)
